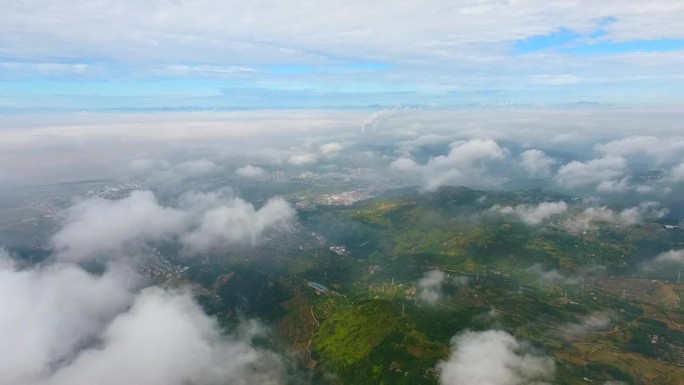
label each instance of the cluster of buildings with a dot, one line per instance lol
(50, 211)
(346, 198)
(282, 176)
(116, 191)
(344, 174)
(318, 287)
(156, 266)
(278, 176)
(339, 250)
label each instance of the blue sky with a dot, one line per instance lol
(55, 55)
(567, 41)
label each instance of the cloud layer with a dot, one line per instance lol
(325, 47)
(420, 146)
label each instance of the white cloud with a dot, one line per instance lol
(472, 151)
(371, 123)
(430, 287)
(677, 173)
(624, 157)
(405, 164)
(251, 172)
(493, 357)
(97, 228)
(24, 69)
(532, 214)
(605, 174)
(645, 211)
(180, 172)
(63, 325)
(301, 159)
(551, 277)
(237, 221)
(195, 168)
(559, 79)
(49, 312)
(331, 149)
(590, 323)
(211, 70)
(659, 149)
(6, 260)
(407, 147)
(466, 162)
(146, 166)
(673, 259)
(537, 163)
(165, 338)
